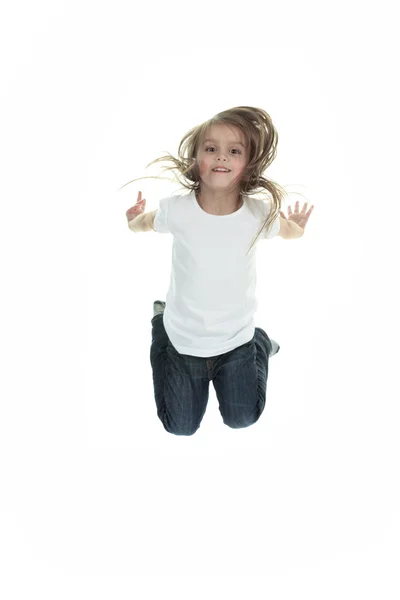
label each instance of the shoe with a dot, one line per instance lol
(275, 347)
(158, 307)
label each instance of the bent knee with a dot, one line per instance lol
(179, 429)
(241, 423)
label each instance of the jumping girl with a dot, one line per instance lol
(205, 331)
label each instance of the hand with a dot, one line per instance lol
(136, 210)
(299, 218)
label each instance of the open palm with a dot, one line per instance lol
(300, 218)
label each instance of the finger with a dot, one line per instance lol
(134, 209)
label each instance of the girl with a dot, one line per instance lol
(206, 331)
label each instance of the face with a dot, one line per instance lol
(224, 146)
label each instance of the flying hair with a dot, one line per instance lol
(261, 139)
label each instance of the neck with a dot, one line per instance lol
(219, 203)
(217, 199)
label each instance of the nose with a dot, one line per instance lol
(221, 156)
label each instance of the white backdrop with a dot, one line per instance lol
(98, 500)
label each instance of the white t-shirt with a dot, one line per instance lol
(210, 304)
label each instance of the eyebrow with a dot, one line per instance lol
(231, 143)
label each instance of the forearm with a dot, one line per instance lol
(295, 230)
(141, 223)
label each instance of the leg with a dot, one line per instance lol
(181, 384)
(240, 381)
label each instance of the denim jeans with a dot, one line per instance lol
(181, 382)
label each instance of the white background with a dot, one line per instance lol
(98, 500)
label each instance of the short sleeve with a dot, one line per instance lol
(161, 219)
(275, 227)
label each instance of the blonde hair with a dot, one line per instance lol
(262, 140)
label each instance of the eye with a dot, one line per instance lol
(209, 148)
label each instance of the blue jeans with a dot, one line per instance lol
(181, 382)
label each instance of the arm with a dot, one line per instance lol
(143, 222)
(289, 230)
